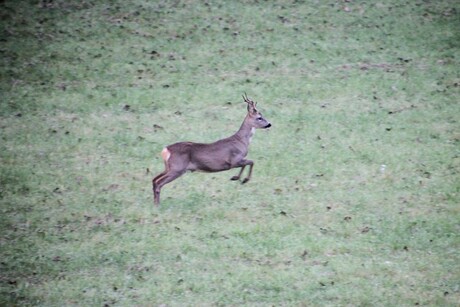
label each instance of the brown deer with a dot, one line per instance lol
(215, 157)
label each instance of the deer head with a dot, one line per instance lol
(257, 120)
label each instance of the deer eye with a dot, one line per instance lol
(259, 118)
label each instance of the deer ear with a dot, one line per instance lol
(251, 108)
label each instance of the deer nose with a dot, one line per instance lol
(268, 126)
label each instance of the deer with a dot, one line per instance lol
(221, 155)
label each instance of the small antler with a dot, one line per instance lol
(251, 104)
(245, 97)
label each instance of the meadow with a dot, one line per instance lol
(354, 198)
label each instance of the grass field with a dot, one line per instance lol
(354, 199)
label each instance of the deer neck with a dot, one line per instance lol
(245, 133)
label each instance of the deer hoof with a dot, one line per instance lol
(235, 178)
(245, 180)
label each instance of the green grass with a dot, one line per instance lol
(91, 91)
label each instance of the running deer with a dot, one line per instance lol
(215, 157)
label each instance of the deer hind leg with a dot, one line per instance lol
(156, 191)
(161, 180)
(169, 174)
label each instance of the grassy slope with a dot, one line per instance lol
(91, 92)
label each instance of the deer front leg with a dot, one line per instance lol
(251, 164)
(243, 164)
(237, 177)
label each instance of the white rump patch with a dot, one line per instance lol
(165, 154)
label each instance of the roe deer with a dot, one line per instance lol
(215, 157)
